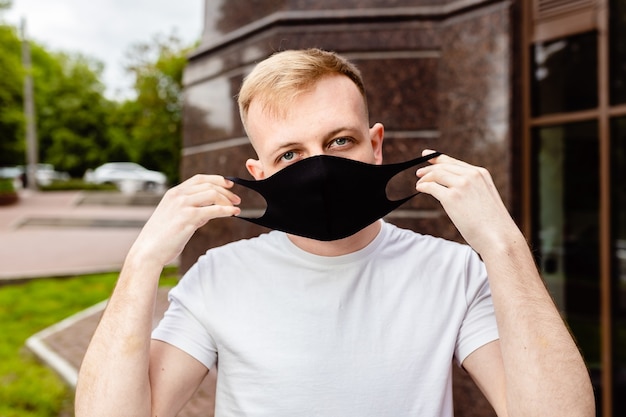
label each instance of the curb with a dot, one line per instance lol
(36, 344)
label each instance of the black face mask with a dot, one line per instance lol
(326, 197)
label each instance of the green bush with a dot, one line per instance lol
(77, 184)
(6, 186)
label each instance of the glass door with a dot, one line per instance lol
(618, 197)
(566, 236)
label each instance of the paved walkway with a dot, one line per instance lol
(64, 233)
(68, 233)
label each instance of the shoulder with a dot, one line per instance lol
(433, 255)
(236, 261)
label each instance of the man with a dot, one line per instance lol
(367, 324)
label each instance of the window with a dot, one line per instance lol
(617, 52)
(618, 197)
(566, 235)
(575, 102)
(565, 75)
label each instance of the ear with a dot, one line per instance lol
(255, 168)
(377, 133)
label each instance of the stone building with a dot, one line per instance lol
(533, 90)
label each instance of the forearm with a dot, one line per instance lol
(113, 379)
(545, 373)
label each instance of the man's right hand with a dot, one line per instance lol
(183, 209)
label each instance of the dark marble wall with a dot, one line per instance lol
(223, 17)
(438, 75)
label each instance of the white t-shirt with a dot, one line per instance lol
(371, 333)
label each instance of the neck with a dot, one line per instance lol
(339, 247)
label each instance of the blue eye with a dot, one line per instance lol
(341, 141)
(288, 156)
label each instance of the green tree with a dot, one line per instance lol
(121, 120)
(78, 128)
(11, 93)
(70, 107)
(71, 110)
(156, 133)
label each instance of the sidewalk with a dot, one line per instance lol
(68, 233)
(60, 233)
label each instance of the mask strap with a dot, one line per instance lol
(392, 170)
(252, 184)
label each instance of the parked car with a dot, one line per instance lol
(128, 177)
(45, 174)
(16, 174)
(13, 175)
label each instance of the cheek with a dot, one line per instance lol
(268, 171)
(372, 156)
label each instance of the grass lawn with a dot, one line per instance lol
(28, 388)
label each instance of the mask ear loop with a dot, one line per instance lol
(255, 186)
(391, 170)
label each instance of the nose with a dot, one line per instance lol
(315, 151)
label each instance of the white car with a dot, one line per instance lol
(45, 174)
(128, 177)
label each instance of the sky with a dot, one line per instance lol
(105, 29)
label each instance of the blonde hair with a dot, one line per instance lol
(282, 77)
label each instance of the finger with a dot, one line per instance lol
(459, 169)
(205, 214)
(447, 165)
(206, 189)
(185, 221)
(432, 188)
(213, 196)
(473, 182)
(201, 179)
(215, 211)
(444, 159)
(199, 184)
(448, 175)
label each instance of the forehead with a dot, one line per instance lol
(330, 101)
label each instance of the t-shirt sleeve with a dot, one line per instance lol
(479, 324)
(182, 324)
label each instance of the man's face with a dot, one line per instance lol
(331, 119)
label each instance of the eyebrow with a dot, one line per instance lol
(283, 146)
(336, 132)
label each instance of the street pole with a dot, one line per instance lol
(29, 113)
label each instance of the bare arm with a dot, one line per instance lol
(117, 376)
(538, 361)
